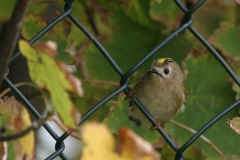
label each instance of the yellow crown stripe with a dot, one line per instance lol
(161, 61)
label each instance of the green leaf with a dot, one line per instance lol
(138, 11)
(119, 117)
(236, 122)
(34, 24)
(6, 9)
(64, 56)
(59, 33)
(55, 77)
(38, 8)
(11, 150)
(167, 13)
(192, 153)
(93, 93)
(208, 93)
(235, 65)
(15, 118)
(226, 39)
(134, 35)
(158, 1)
(223, 158)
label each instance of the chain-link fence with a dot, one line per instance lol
(124, 82)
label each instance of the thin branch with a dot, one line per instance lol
(102, 81)
(80, 63)
(10, 35)
(64, 128)
(237, 2)
(105, 82)
(89, 12)
(17, 85)
(45, 98)
(35, 125)
(95, 98)
(202, 137)
(110, 101)
(49, 1)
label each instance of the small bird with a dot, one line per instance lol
(161, 91)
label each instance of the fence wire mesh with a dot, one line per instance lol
(124, 82)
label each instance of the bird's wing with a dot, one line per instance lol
(183, 104)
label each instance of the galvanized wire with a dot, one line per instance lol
(124, 82)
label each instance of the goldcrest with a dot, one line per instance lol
(161, 91)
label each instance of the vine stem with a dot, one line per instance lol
(105, 82)
(18, 85)
(64, 128)
(205, 139)
(102, 81)
(34, 126)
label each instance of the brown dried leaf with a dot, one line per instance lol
(102, 144)
(3, 150)
(132, 145)
(49, 47)
(59, 33)
(16, 119)
(14, 108)
(79, 61)
(75, 84)
(64, 26)
(54, 76)
(235, 124)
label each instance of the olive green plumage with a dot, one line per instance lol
(160, 91)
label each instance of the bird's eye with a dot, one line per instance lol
(166, 71)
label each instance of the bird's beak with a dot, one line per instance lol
(153, 71)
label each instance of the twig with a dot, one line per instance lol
(35, 125)
(45, 98)
(89, 12)
(105, 82)
(95, 98)
(80, 63)
(49, 1)
(110, 101)
(10, 35)
(102, 81)
(237, 2)
(64, 128)
(202, 137)
(17, 85)
(99, 99)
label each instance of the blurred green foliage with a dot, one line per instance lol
(128, 30)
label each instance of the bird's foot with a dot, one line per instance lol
(130, 96)
(156, 126)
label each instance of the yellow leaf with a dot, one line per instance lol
(100, 144)
(134, 147)
(59, 33)
(17, 119)
(27, 141)
(54, 76)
